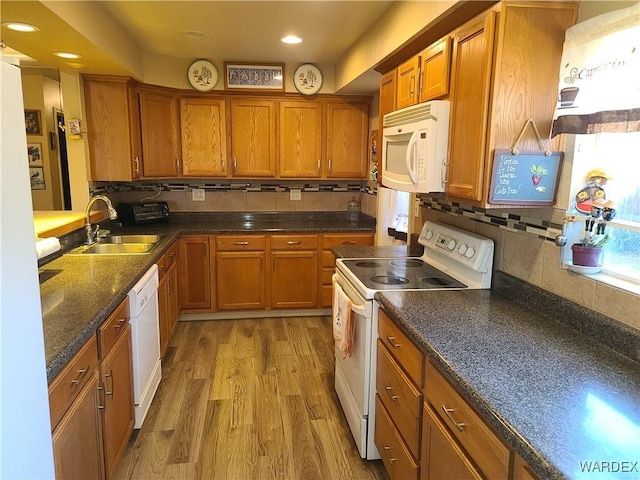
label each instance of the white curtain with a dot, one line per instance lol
(599, 88)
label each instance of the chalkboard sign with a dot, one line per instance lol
(528, 178)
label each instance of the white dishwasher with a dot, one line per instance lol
(145, 330)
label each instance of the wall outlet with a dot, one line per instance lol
(198, 195)
(295, 194)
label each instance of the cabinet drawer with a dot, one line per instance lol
(69, 382)
(401, 348)
(333, 240)
(485, 449)
(294, 242)
(171, 254)
(112, 328)
(401, 398)
(396, 458)
(241, 242)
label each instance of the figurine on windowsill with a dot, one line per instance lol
(594, 190)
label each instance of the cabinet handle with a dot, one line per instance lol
(388, 390)
(224, 165)
(136, 162)
(81, 374)
(329, 166)
(392, 343)
(297, 242)
(318, 166)
(420, 75)
(388, 448)
(235, 166)
(412, 82)
(177, 165)
(109, 376)
(445, 168)
(120, 323)
(349, 242)
(241, 243)
(102, 400)
(448, 412)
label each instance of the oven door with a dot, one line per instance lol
(353, 375)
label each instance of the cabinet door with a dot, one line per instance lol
(434, 71)
(159, 118)
(294, 279)
(253, 130)
(173, 304)
(387, 95)
(194, 273)
(470, 87)
(118, 414)
(300, 138)
(347, 136)
(204, 137)
(163, 313)
(442, 459)
(244, 280)
(407, 83)
(77, 439)
(112, 128)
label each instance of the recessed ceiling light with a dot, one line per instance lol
(291, 39)
(66, 55)
(20, 27)
(193, 34)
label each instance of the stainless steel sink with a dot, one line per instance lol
(120, 245)
(120, 239)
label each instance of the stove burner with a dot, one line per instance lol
(407, 263)
(368, 264)
(389, 280)
(435, 281)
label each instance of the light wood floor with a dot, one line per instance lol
(247, 399)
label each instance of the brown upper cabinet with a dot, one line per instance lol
(346, 139)
(160, 122)
(504, 72)
(300, 139)
(253, 133)
(435, 66)
(387, 95)
(113, 128)
(204, 137)
(407, 83)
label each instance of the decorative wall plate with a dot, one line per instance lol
(307, 79)
(202, 75)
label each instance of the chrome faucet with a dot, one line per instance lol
(91, 233)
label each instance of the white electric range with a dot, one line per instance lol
(453, 259)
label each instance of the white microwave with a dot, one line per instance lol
(414, 147)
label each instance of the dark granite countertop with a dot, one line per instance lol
(86, 288)
(544, 382)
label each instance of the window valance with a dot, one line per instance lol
(599, 88)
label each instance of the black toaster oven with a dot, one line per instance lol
(143, 213)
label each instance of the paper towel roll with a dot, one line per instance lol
(47, 246)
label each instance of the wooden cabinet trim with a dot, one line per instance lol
(112, 328)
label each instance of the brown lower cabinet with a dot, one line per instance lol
(455, 442)
(168, 306)
(91, 403)
(294, 271)
(195, 273)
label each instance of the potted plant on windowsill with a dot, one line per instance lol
(588, 252)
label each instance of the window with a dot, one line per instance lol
(615, 154)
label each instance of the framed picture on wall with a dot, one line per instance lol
(33, 122)
(34, 152)
(253, 76)
(37, 178)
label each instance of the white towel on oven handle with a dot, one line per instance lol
(343, 321)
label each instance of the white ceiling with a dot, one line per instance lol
(233, 30)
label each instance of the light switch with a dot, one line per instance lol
(295, 194)
(198, 195)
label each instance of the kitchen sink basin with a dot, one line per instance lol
(122, 239)
(120, 245)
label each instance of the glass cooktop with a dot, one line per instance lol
(400, 274)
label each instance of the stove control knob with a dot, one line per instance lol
(462, 249)
(428, 235)
(451, 245)
(470, 252)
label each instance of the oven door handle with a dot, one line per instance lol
(358, 309)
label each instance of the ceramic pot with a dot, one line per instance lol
(586, 256)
